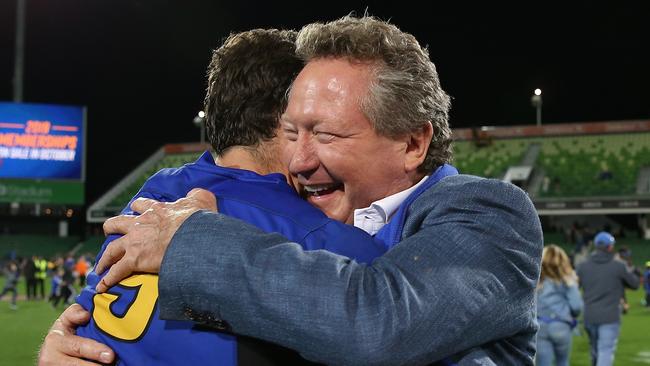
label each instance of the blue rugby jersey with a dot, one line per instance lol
(126, 318)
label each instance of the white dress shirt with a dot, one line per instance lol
(372, 219)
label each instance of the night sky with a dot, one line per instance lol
(139, 66)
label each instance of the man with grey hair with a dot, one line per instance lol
(368, 141)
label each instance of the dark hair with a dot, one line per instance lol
(405, 92)
(247, 82)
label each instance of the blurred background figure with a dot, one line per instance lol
(603, 280)
(55, 290)
(646, 283)
(80, 269)
(558, 305)
(40, 275)
(29, 271)
(12, 274)
(65, 290)
(625, 254)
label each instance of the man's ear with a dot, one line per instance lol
(417, 145)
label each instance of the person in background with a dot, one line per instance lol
(12, 274)
(69, 261)
(558, 305)
(29, 271)
(81, 268)
(625, 254)
(40, 275)
(55, 290)
(66, 291)
(603, 280)
(646, 283)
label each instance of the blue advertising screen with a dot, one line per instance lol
(41, 141)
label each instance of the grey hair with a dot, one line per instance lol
(405, 91)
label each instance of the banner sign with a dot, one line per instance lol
(42, 141)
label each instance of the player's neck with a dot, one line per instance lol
(238, 158)
(244, 158)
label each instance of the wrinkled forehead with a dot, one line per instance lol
(327, 88)
(333, 75)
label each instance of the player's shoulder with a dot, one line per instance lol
(270, 203)
(165, 174)
(175, 182)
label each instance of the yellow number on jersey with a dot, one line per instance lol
(132, 325)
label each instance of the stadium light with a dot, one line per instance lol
(199, 121)
(536, 101)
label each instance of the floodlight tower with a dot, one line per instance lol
(19, 52)
(536, 101)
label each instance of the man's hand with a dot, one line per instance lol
(147, 236)
(62, 347)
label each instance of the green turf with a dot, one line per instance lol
(22, 331)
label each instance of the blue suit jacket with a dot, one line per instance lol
(460, 283)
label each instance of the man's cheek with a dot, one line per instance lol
(286, 154)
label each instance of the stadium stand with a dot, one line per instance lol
(575, 162)
(48, 246)
(168, 156)
(594, 165)
(489, 161)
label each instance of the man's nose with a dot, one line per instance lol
(304, 159)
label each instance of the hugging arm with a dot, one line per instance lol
(463, 275)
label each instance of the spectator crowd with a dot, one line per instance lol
(65, 273)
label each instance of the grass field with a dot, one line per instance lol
(22, 330)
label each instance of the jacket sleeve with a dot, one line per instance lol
(464, 276)
(575, 300)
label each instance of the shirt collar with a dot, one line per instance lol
(371, 219)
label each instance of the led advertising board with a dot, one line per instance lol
(42, 153)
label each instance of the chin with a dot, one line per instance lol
(346, 218)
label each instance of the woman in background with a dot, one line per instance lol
(558, 304)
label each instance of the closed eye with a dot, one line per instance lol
(324, 137)
(290, 135)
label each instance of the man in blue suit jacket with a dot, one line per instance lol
(368, 140)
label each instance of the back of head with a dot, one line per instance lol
(405, 92)
(604, 240)
(247, 82)
(556, 265)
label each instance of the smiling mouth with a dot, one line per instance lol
(317, 190)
